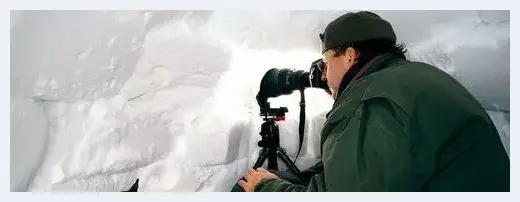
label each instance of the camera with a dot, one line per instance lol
(278, 82)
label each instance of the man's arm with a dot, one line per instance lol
(278, 185)
(371, 154)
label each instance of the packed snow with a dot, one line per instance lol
(101, 98)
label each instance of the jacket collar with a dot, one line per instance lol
(357, 72)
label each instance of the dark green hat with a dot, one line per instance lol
(356, 26)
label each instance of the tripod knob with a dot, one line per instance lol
(260, 143)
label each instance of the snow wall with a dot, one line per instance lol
(101, 98)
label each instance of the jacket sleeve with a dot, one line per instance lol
(278, 185)
(370, 152)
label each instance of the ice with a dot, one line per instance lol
(169, 96)
(28, 141)
(501, 120)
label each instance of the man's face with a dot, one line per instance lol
(335, 68)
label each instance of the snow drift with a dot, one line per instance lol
(101, 98)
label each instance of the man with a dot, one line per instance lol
(395, 125)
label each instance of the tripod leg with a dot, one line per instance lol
(272, 160)
(283, 155)
(261, 158)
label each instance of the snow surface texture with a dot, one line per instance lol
(100, 98)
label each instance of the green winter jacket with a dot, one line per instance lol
(406, 126)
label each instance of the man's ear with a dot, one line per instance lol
(351, 53)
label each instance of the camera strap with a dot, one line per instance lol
(301, 127)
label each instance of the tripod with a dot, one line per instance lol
(270, 144)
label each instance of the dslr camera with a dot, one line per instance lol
(278, 82)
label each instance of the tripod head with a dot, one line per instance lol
(273, 114)
(269, 130)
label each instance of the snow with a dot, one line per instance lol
(168, 96)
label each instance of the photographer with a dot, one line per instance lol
(395, 125)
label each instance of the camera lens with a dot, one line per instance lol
(283, 81)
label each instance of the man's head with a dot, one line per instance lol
(350, 38)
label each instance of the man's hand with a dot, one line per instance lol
(253, 177)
